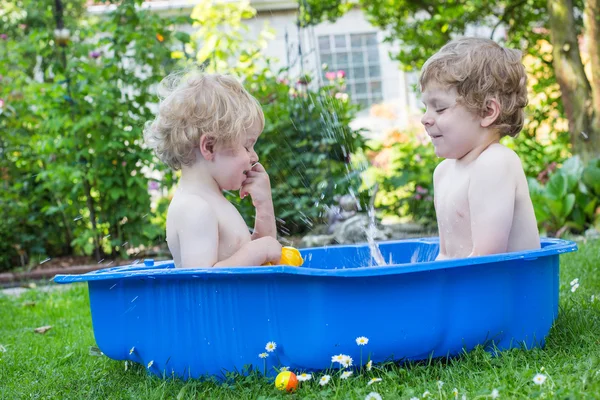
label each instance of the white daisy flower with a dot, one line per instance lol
(263, 355)
(324, 380)
(495, 394)
(593, 298)
(151, 363)
(132, 350)
(373, 380)
(574, 287)
(414, 398)
(361, 340)
(304, 377)
(542, 369)
(271, 346)
(373, 396)
(574, 281)
(284, 369)
(440, 384)
(125, 365)
(369, 365)
(539, 379)
(346, 374)
(347, 362)
(455, 393)
(2, 349)
(339, 358)
(426, 394)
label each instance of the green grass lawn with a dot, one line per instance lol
(60, 365)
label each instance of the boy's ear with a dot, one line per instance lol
(491, 113)
(207, 147)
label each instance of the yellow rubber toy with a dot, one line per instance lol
(290, 256)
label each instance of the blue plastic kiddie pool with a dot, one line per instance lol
(206, 321)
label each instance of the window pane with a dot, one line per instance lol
(364, 103)
(326, 59)
(373, 55)
(349, 88)
(356, 41)
(340, 41)
(375, 87)
(374, 71)
(371, 39)
(358, 72)
(358, 57)
(342, 58)
(361, 88)
(324, 43)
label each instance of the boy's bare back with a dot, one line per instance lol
(484, 207)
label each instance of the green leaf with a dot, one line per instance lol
(557, 186)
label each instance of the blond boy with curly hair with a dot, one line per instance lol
(207, 126)
(475, 92)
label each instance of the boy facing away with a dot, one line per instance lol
(207, 126)
(475, 92)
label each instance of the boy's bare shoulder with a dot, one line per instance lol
(190, 207)
(497, 156)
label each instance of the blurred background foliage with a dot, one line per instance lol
(76, 178)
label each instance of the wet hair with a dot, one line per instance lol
(480, 70)
(194, 104)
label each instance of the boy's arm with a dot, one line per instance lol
(492, 192)
(436, 177)
(198, 234)
(258, 186)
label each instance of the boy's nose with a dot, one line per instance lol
(426, 119)
(253, 157)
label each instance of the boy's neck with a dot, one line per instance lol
(487, 139)
(196, 178)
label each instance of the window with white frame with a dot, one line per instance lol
(357, 54)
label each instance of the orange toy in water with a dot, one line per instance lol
(286, 380)
(290, 256)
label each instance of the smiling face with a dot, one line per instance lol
(453, 129)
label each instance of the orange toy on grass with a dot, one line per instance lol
(286, 380)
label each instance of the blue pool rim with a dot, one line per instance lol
(166, 269)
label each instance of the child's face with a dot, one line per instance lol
(231, 164)
(453, 129)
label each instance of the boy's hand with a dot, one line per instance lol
(269, 248)
(258, 186)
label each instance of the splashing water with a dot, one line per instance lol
(372, 230)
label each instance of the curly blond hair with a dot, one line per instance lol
(192, 105)
(480, 70)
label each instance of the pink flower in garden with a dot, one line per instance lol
(341, 74)
(3, 36)
(124, 163)
(94, 54)
(22, 26)
(418, 196)
(153, 185)
(330, 75)
(421, 189)
(1, 103)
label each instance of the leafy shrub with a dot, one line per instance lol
(71, 144)
(569, 197)
(403, 168)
